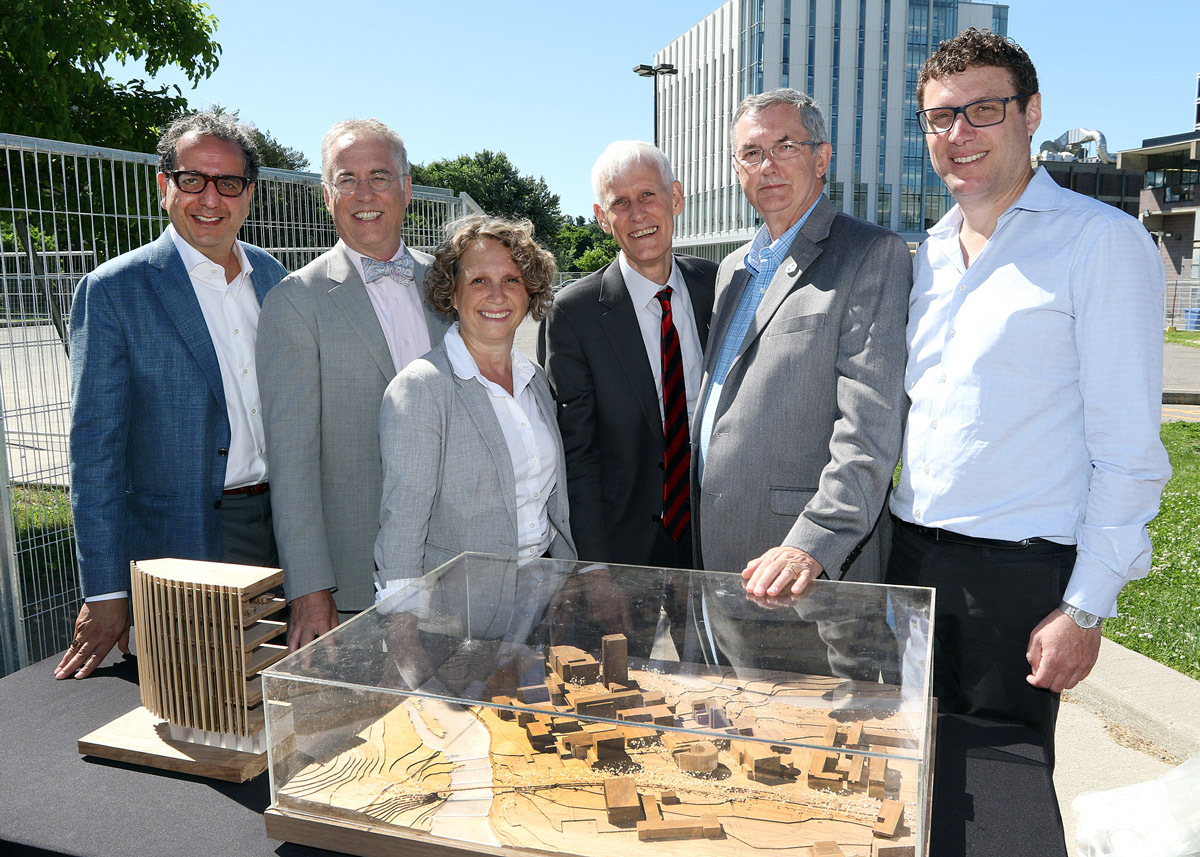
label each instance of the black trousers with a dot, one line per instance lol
(246, 530)
(988, 602)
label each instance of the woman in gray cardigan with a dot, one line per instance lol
(472, 457)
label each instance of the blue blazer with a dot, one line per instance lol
(149, 426)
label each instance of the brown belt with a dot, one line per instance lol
(248, 490)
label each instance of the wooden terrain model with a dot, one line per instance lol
(602, 759)
(203, 639)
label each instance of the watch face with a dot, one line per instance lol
(1082, 618)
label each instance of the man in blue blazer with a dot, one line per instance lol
(166, 432)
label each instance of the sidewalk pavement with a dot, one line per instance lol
(1130, 721)
(1181, 374)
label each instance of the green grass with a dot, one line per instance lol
(44, 540)
(1183, 337)
(42, 509)
(1160, 615)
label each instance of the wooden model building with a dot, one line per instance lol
(601, 756)
(203, 638)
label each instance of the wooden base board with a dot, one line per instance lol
(141, 738)
(366, 841)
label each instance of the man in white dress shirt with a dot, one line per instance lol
(167, 450)
(329, 342)
(1031, 461)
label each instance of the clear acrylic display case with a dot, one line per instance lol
(504, 707)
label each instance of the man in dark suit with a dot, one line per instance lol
(799, 424)
(166, 432)
(602, 347)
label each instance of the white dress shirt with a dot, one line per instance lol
(530, 443)
(1035, 377)
(642, 292)
(231, 313)
(400, 310)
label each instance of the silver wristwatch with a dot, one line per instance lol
(1082, 618)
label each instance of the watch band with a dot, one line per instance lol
(1082, 618)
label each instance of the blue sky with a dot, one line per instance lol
(550, 83)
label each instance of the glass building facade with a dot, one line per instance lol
(858, 58)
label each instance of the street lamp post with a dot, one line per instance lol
(654, 71)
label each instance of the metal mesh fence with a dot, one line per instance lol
(64, 209)
(1181, 305)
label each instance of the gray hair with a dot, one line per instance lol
(362, 128)
(809, 110)
(209, 123)
(625, 155)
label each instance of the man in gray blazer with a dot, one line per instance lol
(800, 417)
(331, 337)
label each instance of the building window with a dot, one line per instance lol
(883, 205)
(834, 191)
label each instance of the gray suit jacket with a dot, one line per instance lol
(448, 483)
(323, 365)
(808, 425)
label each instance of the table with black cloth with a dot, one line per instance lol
(993, 793)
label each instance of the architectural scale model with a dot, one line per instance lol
(203, 638)
(571, 754)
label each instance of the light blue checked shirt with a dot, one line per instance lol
(762, 261)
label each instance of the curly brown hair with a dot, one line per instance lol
(536, 264)
(972, 48)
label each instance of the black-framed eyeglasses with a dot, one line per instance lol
(784, 151)
(979, 114)
(190, 181)
(347, 185)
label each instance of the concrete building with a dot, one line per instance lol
(858, 58)
(1080, 161)
(1170, 201)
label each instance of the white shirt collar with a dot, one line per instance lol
(193, 258)
(642, 290)
(1041, 194)
(464, 365)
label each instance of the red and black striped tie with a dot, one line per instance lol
(677, 452)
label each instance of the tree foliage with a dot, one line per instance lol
(52, 77)
(595, 259)
(495, 183)
(581, 245)
(275, 154)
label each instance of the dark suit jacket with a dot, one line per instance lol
(807, 430)
(149, 425)
(608, 409)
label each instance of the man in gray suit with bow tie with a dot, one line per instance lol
(331, 337)
(799, 421)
